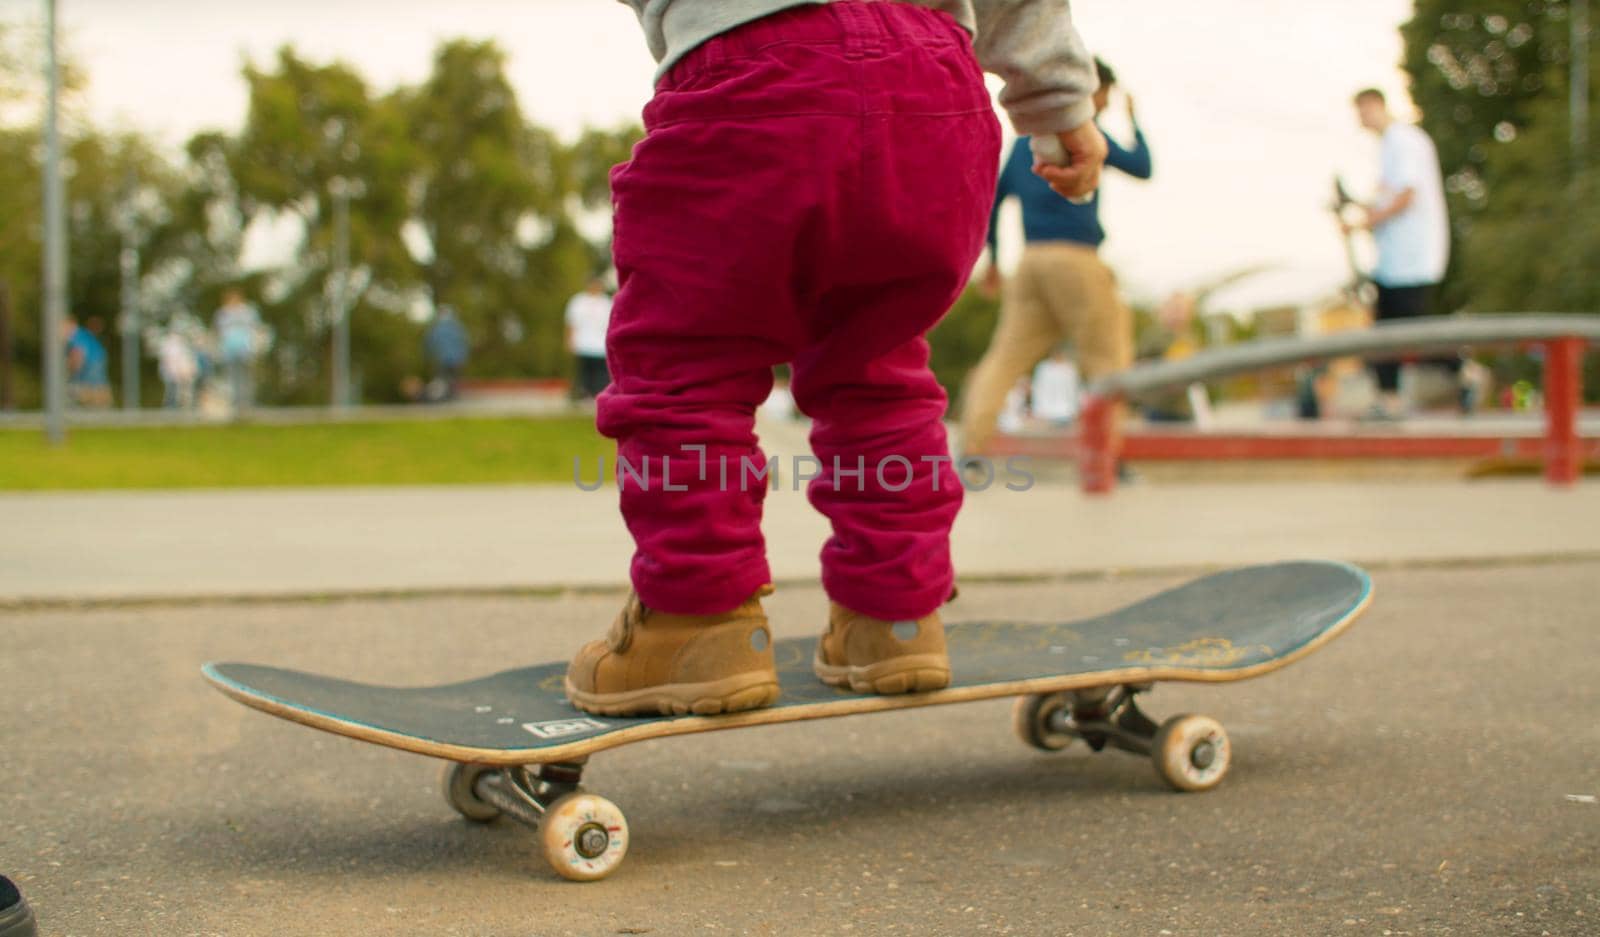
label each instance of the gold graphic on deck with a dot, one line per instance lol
(1201, 652)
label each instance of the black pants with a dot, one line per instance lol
(593, 376)
(1406, 302)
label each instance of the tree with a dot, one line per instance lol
(309, 129)
(1491, 78)
(20, 256)
(458, 199)
(120, 184)
(462, 201)
(111, 181)
(490, 198)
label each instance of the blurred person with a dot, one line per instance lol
(1013, 416)
(88, 367)
(16, 918)
(447, 349)
(1056, 389)
(812, 188)
(588, 315)
(238, 327)
(1410, 225)
(1061, 290)
(179, 367)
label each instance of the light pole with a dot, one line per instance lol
(55, 244)
(341, 299)
(130, 303)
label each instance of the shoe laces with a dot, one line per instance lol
(621, 633)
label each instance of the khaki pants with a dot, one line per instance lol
(1060, 292)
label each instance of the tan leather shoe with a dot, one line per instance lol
(870, 655)
(654, 662)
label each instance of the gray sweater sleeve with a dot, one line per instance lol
(1031, 44)
(1048, 71)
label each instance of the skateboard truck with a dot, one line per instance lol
(521, 793)
(1190, 752)
(582, 835)
(1108, 715)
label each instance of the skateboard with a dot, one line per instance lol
(517, 748)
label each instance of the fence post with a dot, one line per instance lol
(1097, 463)
(1563, 395)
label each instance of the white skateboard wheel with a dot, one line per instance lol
(1191, 752)
(584, 836)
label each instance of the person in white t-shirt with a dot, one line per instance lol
(588, 314)
(1411, 227)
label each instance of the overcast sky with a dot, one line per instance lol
(1245, 102)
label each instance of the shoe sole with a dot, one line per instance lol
(18, 921)
(913, 673)
(728, 695)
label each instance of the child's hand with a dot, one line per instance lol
(1077, 173)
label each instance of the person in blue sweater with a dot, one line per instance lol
(1061, 291)
(88, 375)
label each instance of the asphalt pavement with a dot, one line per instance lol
(1432, 772)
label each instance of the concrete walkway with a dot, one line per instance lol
(125, 545)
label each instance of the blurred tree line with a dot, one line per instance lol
(1492, 79)
(457, 198)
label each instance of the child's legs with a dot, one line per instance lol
(696, 526)
(704, 227)
(813, 185)
(687, 373)
(907, 225)
(885, 480)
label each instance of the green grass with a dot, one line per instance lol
(428, 452)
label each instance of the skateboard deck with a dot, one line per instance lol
(1226, 626)
(1077, 680)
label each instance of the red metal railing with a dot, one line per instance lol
(1563, 337)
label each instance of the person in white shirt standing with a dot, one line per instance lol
(1411, 227)
(588, 314)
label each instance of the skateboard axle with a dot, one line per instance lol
(1102, 717)
(525, 796)
(592, 841)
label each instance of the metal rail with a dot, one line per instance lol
(1563, 337)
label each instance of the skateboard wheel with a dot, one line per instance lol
(584, 836)
(1031, 717)
(1191, 752)
(459, 792)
